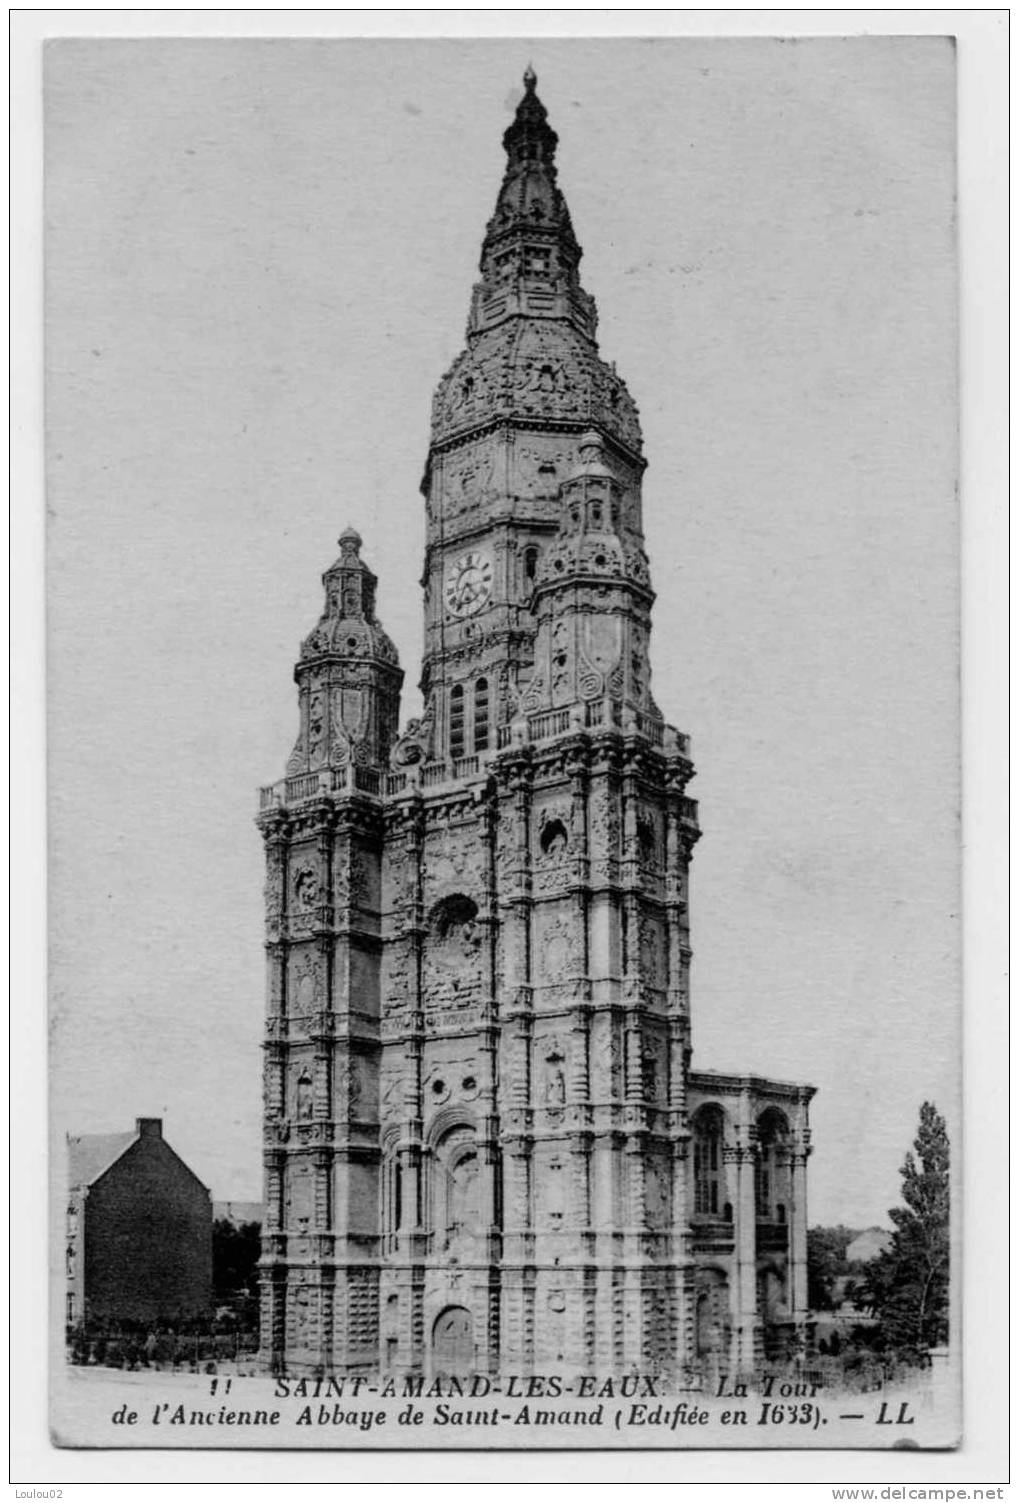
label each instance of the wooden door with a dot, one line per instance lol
(453, 1342)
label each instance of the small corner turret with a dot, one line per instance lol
(348, 674)
(592, 597)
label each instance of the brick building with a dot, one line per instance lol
(139, 1229)
(484, 1146)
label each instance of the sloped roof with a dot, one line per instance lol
(92, 1154)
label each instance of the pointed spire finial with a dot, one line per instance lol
(530, 79)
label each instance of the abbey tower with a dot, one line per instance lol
(485, 1148)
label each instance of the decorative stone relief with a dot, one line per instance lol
(363, 879)
(657, 1197)
(453, 954)
(553, 1078)
(552, 855)
(305, 983)
(305, 895)
(349, 1081)
(602, 640)
(552, 1191)
(349, 715)
(652, 951)
(550, 372)
(558, 950)
(450, 855)
(317, 726)
(392, 1094)
(533, 693)
(539, 470)
(655, 1072)
(649, 842)
(303, 1096)
(467, 477)
(273, 889)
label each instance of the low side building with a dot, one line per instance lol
(751, 1141)
(139, 1229)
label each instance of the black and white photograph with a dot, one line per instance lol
(503, 601)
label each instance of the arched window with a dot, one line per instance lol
(708, 1132)
(530, 563)
(481, 715)
(456, 721)
(771, 1178)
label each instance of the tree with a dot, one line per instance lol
(826, 1262)
(907, 1285)
(235, 1253)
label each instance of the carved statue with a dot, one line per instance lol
(305, 1105)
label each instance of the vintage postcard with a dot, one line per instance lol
(503, 632)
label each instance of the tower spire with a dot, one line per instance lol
(530, 202)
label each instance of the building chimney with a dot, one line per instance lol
(149, 1127)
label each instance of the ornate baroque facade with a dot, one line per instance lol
(484, 1145)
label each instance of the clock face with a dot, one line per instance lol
(468, 584)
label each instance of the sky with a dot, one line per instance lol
(258, 266)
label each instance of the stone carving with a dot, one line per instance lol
(415, 745)
(392, 1096)
(558, 949)
(304, 986)
(449, 855)
(554, 1077)
(649, 845)
(316, 725)
(467, 477)
(305, 888)
(349, 1080)
(553, 1192)
(273, 887)
(453, 953)
(363, 881)
(538, 470)
(303, 1100)
(602, 643)
(551, 372)
(654, 1068)
(554, 841)
(652, 951)
(533, 694)
(552, 863)
(656, 1194)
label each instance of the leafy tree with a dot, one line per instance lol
(907, 1285)
(826, 1262)
(235, 1254)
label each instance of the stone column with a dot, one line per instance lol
(744, 1157)
(323, 1210)
(798, 1299)
(633, 1089)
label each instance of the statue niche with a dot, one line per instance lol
(453, 965)
(456, 1193)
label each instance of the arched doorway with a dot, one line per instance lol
(453, 1342)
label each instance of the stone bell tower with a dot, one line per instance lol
(477, 1123)
(323, 832)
